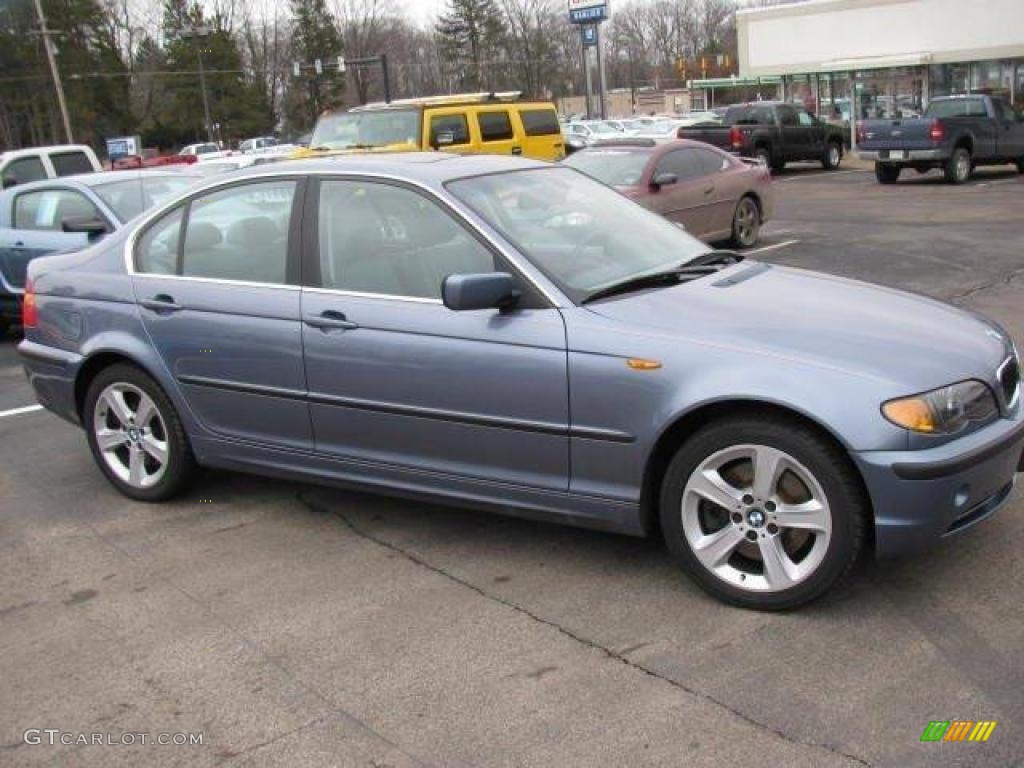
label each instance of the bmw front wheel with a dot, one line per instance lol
(763, 513)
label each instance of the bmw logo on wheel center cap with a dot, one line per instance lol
(756, 518)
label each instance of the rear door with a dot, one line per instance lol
(497, 136)
(725, 188)
(795, 137)
(217, 282)
(1010, 130)
(449, 130)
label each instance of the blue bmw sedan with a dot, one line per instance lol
(510, 335)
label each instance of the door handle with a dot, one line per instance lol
(709, 190)
(517, 150)
(161, 303)
(329, 319)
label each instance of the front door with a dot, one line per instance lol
(398, 380)
(689, 200)
(217, 286)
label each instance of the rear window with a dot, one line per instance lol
(70, 163)
(25, 169)
(494, 126)
(957, 108)
(540, 122)
(614, 167)
(749, 116)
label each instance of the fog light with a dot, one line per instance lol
(962, 496)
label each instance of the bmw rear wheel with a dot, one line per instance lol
(763, 513)
(135, 434)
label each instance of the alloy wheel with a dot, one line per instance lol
(745, 224)
(834, 157)
(756, 518)
(131, 435)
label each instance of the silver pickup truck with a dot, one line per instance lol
(69, 213)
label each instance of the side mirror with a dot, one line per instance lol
(9, 180)
(92, 226)
(490, 290)
(663, 178)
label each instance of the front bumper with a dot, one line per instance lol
(922, 496)
(912, 156)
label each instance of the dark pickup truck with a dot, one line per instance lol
(956, 134)
(775, 133)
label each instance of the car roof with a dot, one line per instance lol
(99, 178)
(29, 151)
(432, 168)
(650, 146)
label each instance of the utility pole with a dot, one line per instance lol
(48, 45)
(196, 34)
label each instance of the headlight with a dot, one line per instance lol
(944, 411)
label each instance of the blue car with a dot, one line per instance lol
(510, 335)
(68, 213)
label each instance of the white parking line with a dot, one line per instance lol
(19, 411)
(773, 246)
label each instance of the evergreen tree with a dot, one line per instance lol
(470, 36)
(315, 36)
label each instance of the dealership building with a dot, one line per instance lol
(854, 59)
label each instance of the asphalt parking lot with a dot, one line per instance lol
(304, 626)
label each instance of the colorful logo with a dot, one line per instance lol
(958, 730)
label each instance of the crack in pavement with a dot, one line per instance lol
(315, 506)
(1005, 280)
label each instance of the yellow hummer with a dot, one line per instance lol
(491, 123)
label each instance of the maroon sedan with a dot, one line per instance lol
(715, 195)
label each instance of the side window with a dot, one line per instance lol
(741, 116)
(384, 239)
(1004, 111)
(157, 251)
(25, 169)
(48, 208)
(684, 163)
(805, 118)
(763, 116)
(239, 233)
(540, 122)
(787, 115)
(711, 162)
(70, 163)
(454, 125)
(494, 126)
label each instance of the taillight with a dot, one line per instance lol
(736, 137)
(937, 132)
(29, 311)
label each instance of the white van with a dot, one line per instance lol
(18, 166)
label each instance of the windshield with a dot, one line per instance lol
(581, 234)
(603, 128)
(615, 167)
(130, 197)
(367, 129)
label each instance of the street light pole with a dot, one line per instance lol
(48, 45)
(196, 33)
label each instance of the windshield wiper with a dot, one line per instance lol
(705, 264)
(320, 148)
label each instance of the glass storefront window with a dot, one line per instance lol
(1018, 91)
(947, 79)
(890, 93)
(992, 77)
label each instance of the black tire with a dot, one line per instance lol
(958, 168)
(847, 502)
(180, 462)
(833, 156)
(746, 223)
(1020, 165)
(887, 174)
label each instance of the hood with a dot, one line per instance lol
(911, 341)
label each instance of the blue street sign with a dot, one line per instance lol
(587, 15)
(590, 36)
